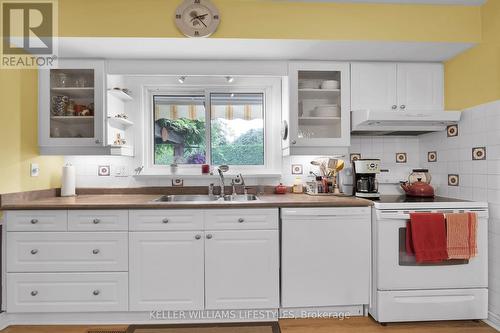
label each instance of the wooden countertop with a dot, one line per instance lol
(145, 201)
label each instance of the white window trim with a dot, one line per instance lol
(270, 86)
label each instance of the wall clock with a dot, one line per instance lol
(197, 18)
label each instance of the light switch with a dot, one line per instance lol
(34, 170)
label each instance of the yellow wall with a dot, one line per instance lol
(18, 135)
(276, 19)
(240, 19)
(473, 77)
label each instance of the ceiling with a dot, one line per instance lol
(255, 49)
(434, 2)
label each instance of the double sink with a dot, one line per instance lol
(205, 198)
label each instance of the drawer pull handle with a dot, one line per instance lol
(96, 292)
(34, 293)
(197, 237)
(34, 221)
(96, 221)
(165, 220)
(209, 236)
(241, 220)
(95, 251)
(34, 251)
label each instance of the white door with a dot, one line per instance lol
(166, 270)
(325, 260)
(420, 87)
(242, 269)
(71, 104)
(373, 86)
(397, 271)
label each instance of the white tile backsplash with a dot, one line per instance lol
(479, 180)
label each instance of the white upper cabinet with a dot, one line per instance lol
(397, 86)
(373, 86)
(71, 107)
(420, 87)
(319, 105)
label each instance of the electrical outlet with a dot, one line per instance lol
(34, 169)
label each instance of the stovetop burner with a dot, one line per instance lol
(408, 199)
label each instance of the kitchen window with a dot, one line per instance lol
(233, 125)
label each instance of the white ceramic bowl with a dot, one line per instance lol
(330, 110)
(330, 84)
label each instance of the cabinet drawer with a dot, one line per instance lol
(67, 251)
(165, 219)
(37, 220)
(67, 292)
(98, 220)
(219, 219)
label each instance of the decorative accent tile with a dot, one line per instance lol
(432, 156)
(297, 169)
(401, 158)
(103, 170)
(479, 153)
(354, 157)
(452, 130)
(453, 180)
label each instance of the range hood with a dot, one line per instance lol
(371, 122)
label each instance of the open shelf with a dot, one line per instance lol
(119, 122)
(120, 95)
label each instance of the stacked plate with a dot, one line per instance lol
(328, 110)
(330, 84)
(309, 84)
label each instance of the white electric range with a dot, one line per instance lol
(403, 290)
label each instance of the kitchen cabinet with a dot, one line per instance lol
(225, 264)
(325, 256)
(397, 86)
(166, 270)
(71, 107)
(242, 269)
(319, 116)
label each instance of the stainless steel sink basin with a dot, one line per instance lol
(184, 198)
(205, 198)
(242, 197)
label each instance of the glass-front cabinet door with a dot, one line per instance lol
(71, 105)
(319, 104)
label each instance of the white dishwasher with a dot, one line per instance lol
(325, 257)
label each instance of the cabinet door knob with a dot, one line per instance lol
(394, 107)
(402, 107)
(34, 221)
(34, 251)
(96, 292)
(34, 293)
(241, 220)
(165, 220)
(197, 237)
(97, 141)
(95, 251)
(294, 142)
(209, 236)
(96, 221)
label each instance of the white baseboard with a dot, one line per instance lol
(138, 318)
(493, 320)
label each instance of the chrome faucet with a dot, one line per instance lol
(221, 169)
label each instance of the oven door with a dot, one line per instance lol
(395, 270)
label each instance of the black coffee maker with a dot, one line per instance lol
(365, 178)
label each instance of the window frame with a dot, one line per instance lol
(271, 89)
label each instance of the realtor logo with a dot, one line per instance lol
(28, 33)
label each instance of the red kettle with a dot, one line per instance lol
(418, 189)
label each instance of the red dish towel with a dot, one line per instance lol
(428, 236)
(461, 235)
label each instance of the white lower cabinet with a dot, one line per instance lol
(242, 269)
(166, 270)
(67, 292)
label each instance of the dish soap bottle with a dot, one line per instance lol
(297, 186)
